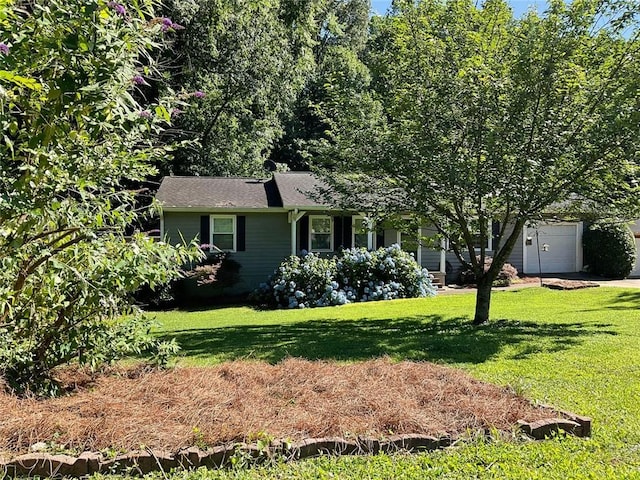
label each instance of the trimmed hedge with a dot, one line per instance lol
(609, 250)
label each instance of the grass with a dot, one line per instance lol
(578, 350)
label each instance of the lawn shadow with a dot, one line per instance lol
(429, 337)
(631, 299)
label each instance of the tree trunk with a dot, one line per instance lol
(483, 299)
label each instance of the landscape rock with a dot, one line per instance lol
(545, 428)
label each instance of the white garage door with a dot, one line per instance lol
(558, 247)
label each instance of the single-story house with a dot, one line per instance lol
(262, 221)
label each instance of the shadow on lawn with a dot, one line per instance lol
(627, 300)
(428, 337)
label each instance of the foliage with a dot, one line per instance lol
(249, 60)
(507, 274)
(609, 249)
(215, 270)
(77, 132)
(475, 117)
(341, 28)
(354, 275)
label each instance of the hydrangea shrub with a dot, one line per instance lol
(353, 275)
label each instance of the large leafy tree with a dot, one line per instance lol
(474, 116)
(248, 60)
(341, 30)
(76, 130)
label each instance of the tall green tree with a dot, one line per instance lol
(341, 31)
(474, 117)
(76, 131)
(249, 61)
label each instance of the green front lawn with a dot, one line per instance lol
(578, 350)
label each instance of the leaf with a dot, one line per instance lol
(163, 113)
(20, 81)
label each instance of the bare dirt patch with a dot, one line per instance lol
(237, 401)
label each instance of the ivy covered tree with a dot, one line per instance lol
(76, 130)
(476, 117)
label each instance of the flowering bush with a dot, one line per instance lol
(354, 275)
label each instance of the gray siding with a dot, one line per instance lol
(267, 243)
(517, 255)
(179, 226)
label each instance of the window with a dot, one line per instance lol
(359, 232)
(491, 231)
(320, 234)
(223, 232)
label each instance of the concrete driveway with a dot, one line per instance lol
(626, 283)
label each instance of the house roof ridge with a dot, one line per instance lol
(214, 177)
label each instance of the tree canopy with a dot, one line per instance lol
(474, 117)
(261, 67)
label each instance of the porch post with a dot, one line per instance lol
(443, 255)
(419, 250)
(370, 233)
(294, 216)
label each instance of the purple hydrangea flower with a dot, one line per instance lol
(4, 48)
(199, 94)
(144, 113)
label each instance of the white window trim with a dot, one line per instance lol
(234, 233)
(311, 217)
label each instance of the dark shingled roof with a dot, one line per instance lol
(296, 188)
(218, 192)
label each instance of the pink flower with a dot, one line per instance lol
(199, 94)
(144, 113)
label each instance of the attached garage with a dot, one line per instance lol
(553, 248)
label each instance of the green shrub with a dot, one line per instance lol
(609, 250)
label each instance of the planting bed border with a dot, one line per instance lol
(142, 462)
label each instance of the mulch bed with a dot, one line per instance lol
(569, 284)
(243, 400)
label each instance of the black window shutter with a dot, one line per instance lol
(348, 226)
(338, 241)
(205, 225)
(241, 222)
(495, 231)
(379, 239)
(303, 223)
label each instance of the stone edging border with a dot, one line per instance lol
(142, 462)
